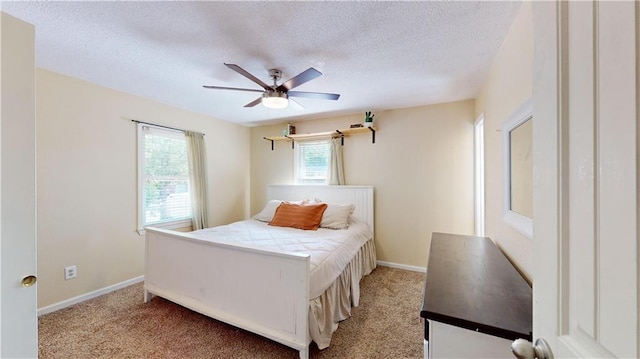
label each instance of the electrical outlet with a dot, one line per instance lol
(70, 272)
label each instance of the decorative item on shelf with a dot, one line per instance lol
(368, 119)
(290, 130)
(356, 125)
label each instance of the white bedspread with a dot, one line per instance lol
(330, 249)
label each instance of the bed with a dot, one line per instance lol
(283, 292)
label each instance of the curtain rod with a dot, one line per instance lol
(162, 126)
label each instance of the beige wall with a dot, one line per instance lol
(421, 167)
(87, 186)
(507, 86)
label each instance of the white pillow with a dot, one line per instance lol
(336, 216)
(266, 215)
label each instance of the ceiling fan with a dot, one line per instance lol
(277, 96)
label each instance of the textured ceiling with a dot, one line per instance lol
(377, 55)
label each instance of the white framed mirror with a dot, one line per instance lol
(517, 169)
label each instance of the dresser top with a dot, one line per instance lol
(471, 284)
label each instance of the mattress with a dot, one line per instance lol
(331, 250)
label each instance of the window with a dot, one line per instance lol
(311, 162)
(163, 173)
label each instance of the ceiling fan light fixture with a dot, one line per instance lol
(275, 100)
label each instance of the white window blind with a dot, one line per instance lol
(164, 176)
(311, 162)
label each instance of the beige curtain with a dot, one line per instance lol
(336, 166)
(197, 178)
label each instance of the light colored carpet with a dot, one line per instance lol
(119, 325)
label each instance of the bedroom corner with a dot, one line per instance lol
(87, 182)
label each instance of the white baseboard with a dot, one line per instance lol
(402, 266)
(81, 298)
(96, 293)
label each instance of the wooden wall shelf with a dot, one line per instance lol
(324, 135)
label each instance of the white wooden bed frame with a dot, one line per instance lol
(261, 291)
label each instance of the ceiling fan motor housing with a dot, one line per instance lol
(275, 74)
(275, 93)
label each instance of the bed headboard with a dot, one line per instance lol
(360, 196)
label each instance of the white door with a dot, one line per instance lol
(585, 276)
(18, 331)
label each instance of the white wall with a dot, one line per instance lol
(87, 185)
(507, 86)
(421, 167)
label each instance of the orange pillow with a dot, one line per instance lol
(298, 216)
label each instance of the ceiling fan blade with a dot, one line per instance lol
(318, 95)
(254, 102)
(295, 104)
(230, 88)
(307, 75)
(244, 73)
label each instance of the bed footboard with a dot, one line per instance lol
(261, 291)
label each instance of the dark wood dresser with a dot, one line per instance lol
(475, 302)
